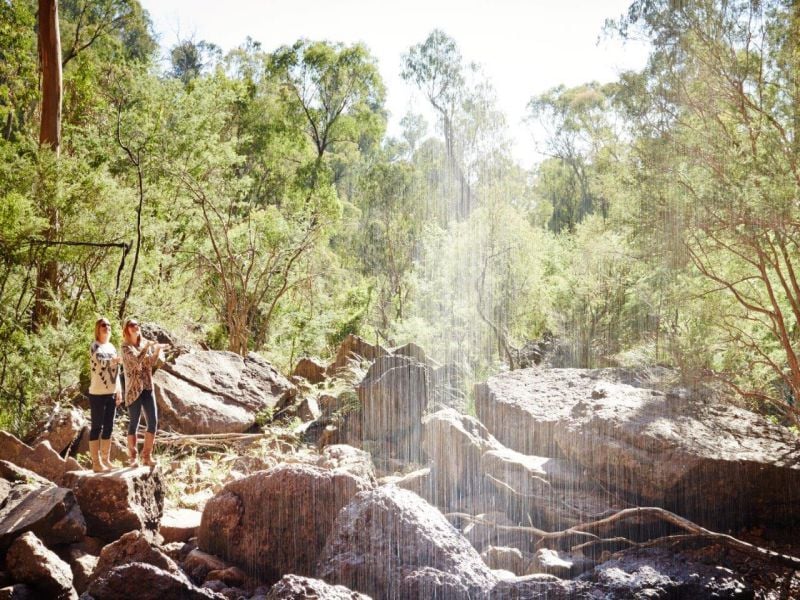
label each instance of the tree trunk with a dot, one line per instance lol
(49, 137)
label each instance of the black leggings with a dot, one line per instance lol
(102, 408)
(145, 402)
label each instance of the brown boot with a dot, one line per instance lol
(147, 449)
(132, 454)
(94, 452)
(105, 454)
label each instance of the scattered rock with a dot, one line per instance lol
(41, 459)
(547, 492)
(133, 547)
(657, 573)
(116, 502)
(19, 591)
(140, 581)
(387, 533)
(354, 348)
(393, 402)
(508, 559)
(276, 522)
(199, 564)
(63, 429)
(560, 564)
(30, 562)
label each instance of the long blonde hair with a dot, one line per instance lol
(100, 322)
(126, 332)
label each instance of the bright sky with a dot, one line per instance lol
(525, 47)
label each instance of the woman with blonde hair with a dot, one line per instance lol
(105, 393)
(138, 358)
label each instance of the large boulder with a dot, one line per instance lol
(394, 395)
(665, 448)
(50, 512)
(389, 534)
(116, 502)
(295, 587)
(276, 522)
(41, 458)
(218, 392)
(141, 581)
(133, 547)
(455, 443)
(30, 562)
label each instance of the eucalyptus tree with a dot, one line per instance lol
(337, 89)
(723, 80)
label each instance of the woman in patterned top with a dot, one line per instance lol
(138, 358)
(104, 393)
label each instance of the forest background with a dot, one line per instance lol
(252, 201)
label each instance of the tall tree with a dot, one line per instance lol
(50, 138)
(723, 78)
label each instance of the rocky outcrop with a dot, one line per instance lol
(277, 521)
(666, 448)
(30, 562)
(218, 392)
(295, 587)
(50, 512)
(119, 501)
(41, 458)
(387, 535)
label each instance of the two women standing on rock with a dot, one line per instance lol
(139, 356)
(105, 392)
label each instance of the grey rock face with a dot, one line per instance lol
(50, 512)
(653, 447)
(218, 392)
